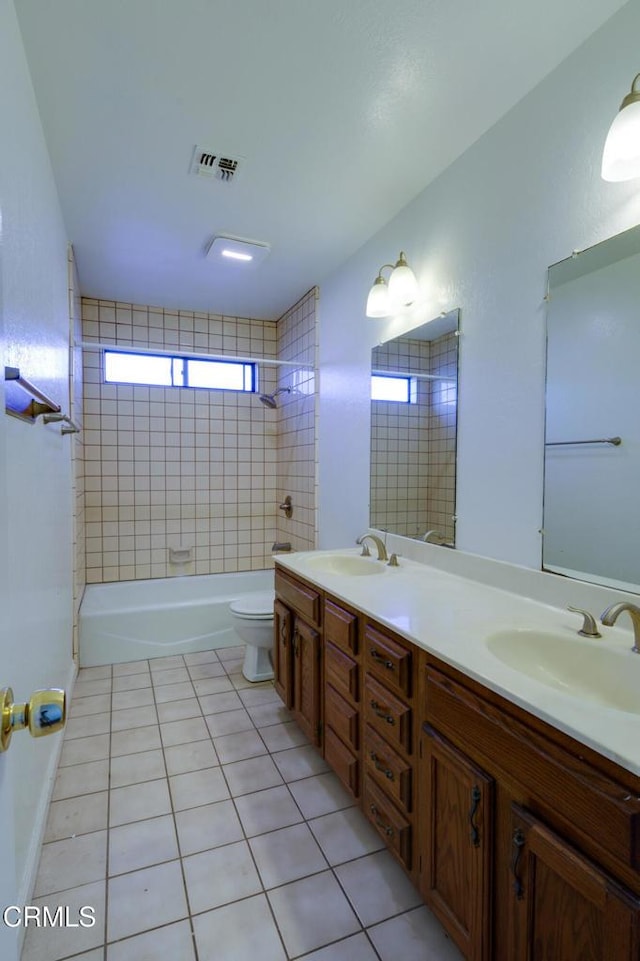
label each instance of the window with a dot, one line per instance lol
(157, 370)
(391, 388)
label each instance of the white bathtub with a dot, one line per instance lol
(135, 620)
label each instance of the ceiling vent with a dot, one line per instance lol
(215, 165)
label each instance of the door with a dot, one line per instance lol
(306, 685)
(456, 801)
(564, 907)
(8, 893)
(283, 652)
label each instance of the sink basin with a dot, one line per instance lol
(351, 565)
(577, 667)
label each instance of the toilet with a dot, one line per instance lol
(253, 622)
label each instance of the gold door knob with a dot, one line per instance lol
(44, 713)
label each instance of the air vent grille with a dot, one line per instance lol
(214, 165)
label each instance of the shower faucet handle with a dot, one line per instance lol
(286, 506)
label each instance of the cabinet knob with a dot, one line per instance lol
(44, 713)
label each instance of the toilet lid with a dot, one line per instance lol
(254, 605)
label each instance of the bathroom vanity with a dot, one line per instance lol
(522, 839)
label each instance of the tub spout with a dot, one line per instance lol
(280, 546)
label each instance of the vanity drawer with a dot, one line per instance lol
(390, 824)
(301, 597)
(341, 671)
(388, 769)
(388, 659)
(387, 714)
(345, 764)
(341, 627)
(342, 717)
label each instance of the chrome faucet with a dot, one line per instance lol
(382, 550)
(610, 616)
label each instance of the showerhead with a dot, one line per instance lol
(269, 400)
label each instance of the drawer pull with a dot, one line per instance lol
(475, 801)
(518, 844)
(382, 712)
(376, 818)
(380, 767)
(381, 660)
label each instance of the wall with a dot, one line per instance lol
(480, 238)
(76, 442)
(413, 445)
(296, 430)
(35, 502)
(176, 467)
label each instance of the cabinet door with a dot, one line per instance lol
(282, 652)
(564, 907)
(306, 685)
(456, 800)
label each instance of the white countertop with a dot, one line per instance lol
(450, 616)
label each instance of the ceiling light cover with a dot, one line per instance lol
(621, 155)
(236, 250)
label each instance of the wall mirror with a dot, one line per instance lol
(413, 430)
(592, 443)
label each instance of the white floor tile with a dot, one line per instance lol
(173, 941)
(83, 749)
(220, 876)
(141, 844)
(137, 802)
(303, 909)
(142, 897)
(257, 773)
(53, 943)
(286, 855)
(299, 762)
(78, 815)
(182, 732)
(320, 794)
(183, 758)
(267, 810)
(377, 887)
(413, 936)
(355, 948)
(135, 768)
(207, 827)
(88, 778)
(197, 788)
(345, 835)
(132, 742)
(243, 931)
(71, 863)
(240, 746)
(228, 722)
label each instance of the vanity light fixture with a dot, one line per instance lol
(621, 156)
(401, 291)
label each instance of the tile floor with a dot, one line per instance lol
(198, 822)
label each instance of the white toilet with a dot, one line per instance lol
(253, 621)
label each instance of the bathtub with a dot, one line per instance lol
(135, 620)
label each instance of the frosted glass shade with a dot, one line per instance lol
(403, 286)
(621, 156)
(378, 304)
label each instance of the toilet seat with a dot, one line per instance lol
(254, 607)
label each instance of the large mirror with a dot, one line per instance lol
(592, 449)
(413, 431)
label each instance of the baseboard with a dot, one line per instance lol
(27, 886)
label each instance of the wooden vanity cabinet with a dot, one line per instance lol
(523, 842)
(297, 653)
(547, 861)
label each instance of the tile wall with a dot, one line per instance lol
(413, 446)
(176, 467)
(296, 425)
